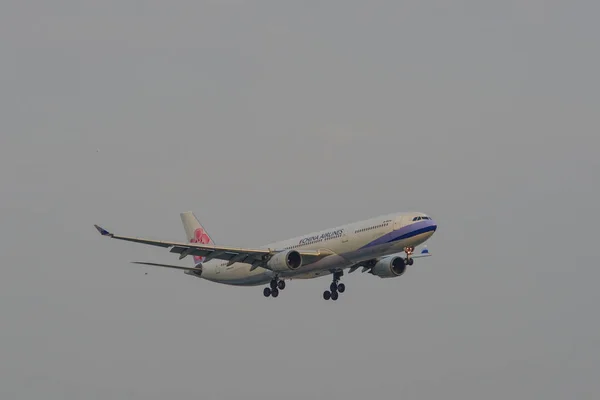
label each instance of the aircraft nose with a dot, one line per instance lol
(433, 226)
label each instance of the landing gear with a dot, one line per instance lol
(330, 295)
(335, 288)
(408, 260)
(274, 287)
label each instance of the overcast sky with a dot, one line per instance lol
(275, 119)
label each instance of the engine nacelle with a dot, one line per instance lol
(285, 261)
(389, 267)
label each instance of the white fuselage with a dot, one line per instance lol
(350, 244)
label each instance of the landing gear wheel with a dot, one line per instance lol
(267, 292)
(281, 285)
(273, 284)
(335, 287)
(410, 261)
(275, 292)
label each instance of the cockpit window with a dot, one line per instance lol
(420, 218)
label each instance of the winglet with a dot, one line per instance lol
(102, 231)
(425, 251)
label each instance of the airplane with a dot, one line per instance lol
(375, 245)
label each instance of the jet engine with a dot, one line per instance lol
(389, 267)
(288, 260)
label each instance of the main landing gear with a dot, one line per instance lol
(335, 288)
(274, 287)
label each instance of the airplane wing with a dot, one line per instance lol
(256, 257)
(423, 253)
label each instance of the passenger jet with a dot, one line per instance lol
(382, 246)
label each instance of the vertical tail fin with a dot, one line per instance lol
(195, 232)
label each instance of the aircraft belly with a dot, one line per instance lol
(321, 267)
(237, 274)
(311, 275)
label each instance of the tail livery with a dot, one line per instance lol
(195, 232)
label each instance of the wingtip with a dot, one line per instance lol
(102, 231)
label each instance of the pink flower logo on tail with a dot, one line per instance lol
(200, 237)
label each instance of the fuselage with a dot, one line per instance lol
(350, 244)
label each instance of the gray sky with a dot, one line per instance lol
(274, 119)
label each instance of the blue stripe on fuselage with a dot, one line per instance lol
(406, 232)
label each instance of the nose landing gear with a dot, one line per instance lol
(408, 251)
(274, 287)
(335, 288)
